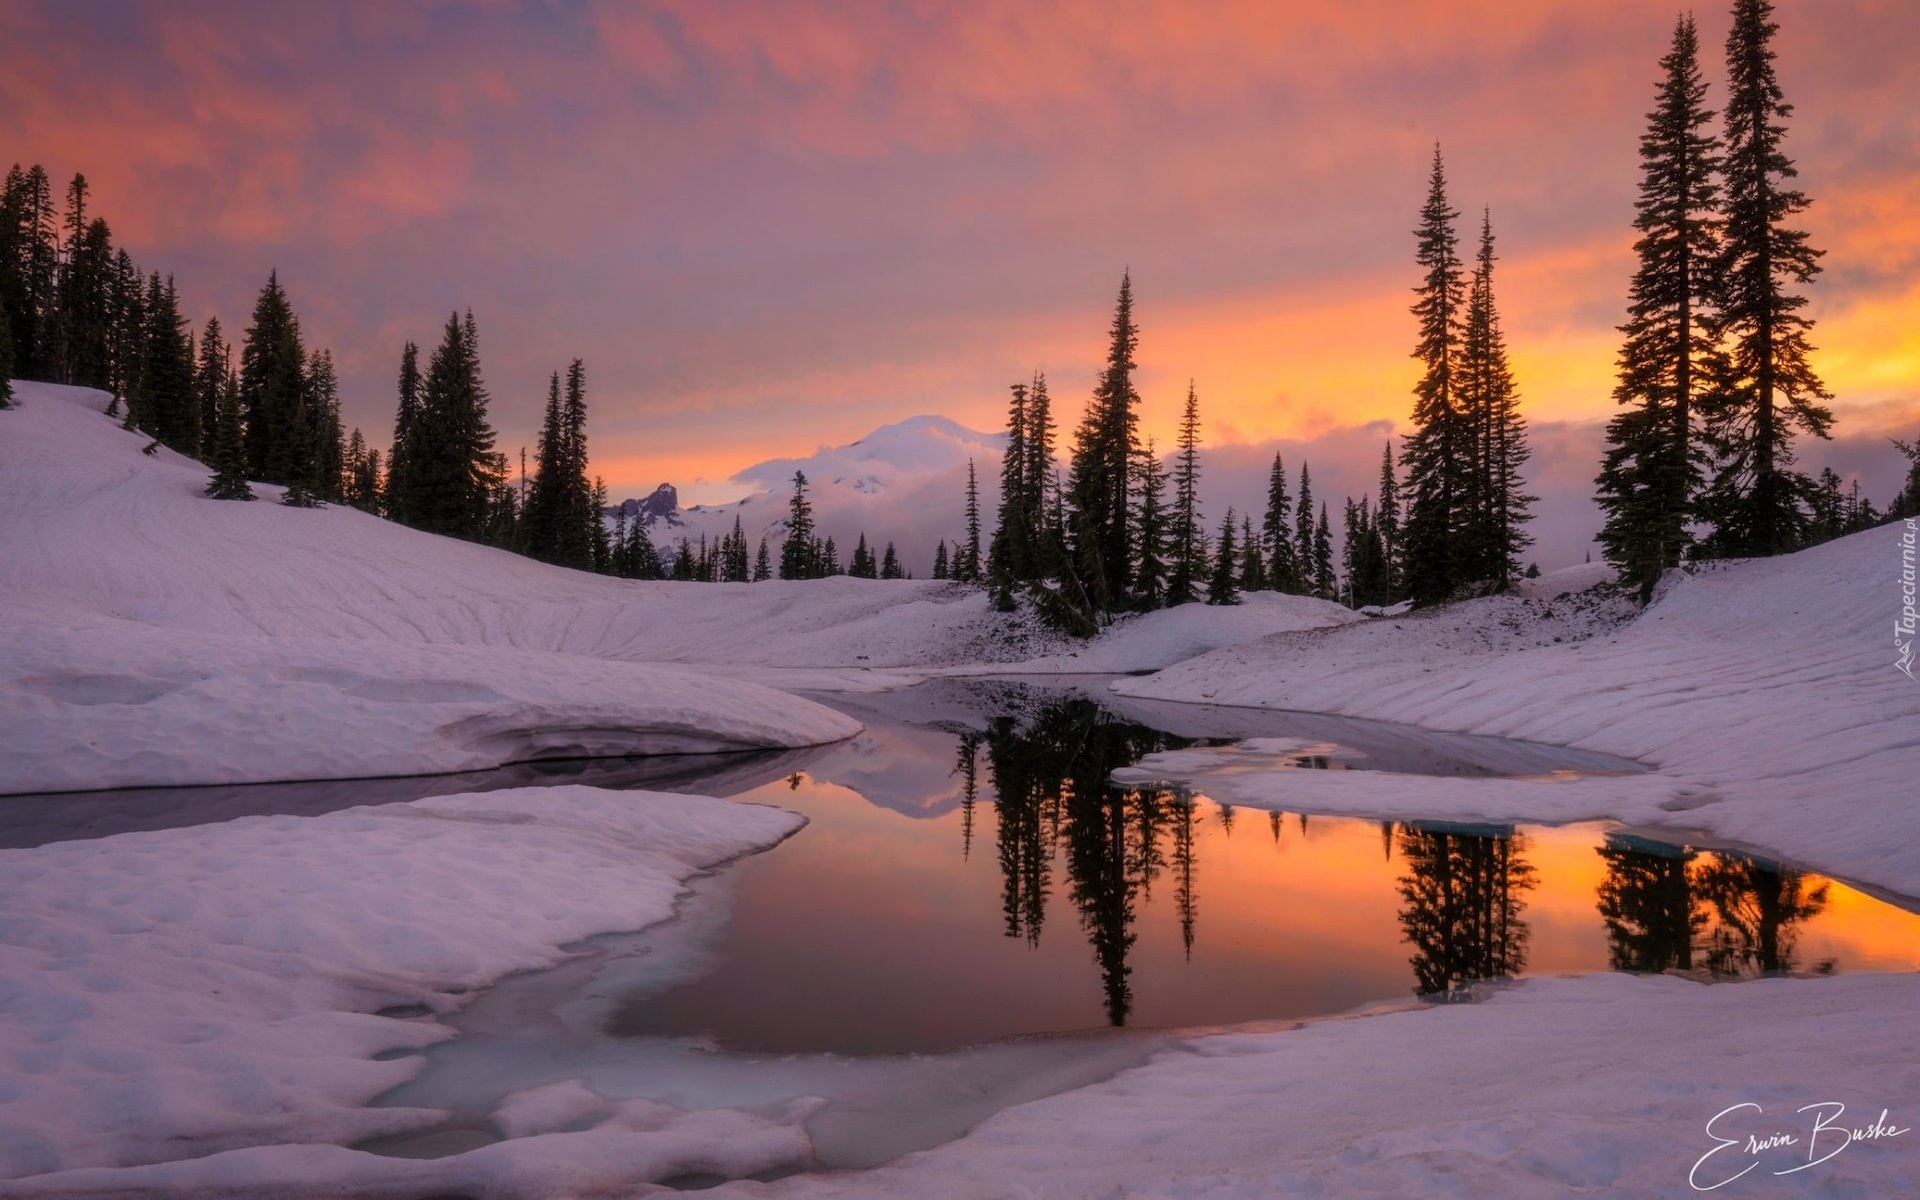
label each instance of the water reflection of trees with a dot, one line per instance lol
(1462, 897)
(1671, 908)
(1050, 775)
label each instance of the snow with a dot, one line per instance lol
(1756, 690)
(1600, 1085)
(157, 637)
(182, 992)
(196, 641)
(196, 1012)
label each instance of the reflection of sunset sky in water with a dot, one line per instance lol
(874, 929)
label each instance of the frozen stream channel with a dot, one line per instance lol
(975, 916)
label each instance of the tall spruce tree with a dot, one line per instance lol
(1326, 584)
(1495, 505)
(229, 456)
(272, 387)
(800, 556)
(940, 560)
(449, 451)
(890, 567)
(1303, 530)
(1253, 567)
(1276, 531)
(1188, 554)
(966, 563)
(323, 400)
(401, 484)
(1102, 468)
(209, 379)
(1387, 525)
(126, 302)
(1436, 457)
(863, 565)
(1224, 585)
(1010, 549)
(169, 408)
(546, 501)
(1769, 390)
(1650, 477)
(1150, 580)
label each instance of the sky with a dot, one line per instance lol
(768, 227)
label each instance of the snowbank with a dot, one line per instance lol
(179, 993)
(1601, 1085)
(1763, 692)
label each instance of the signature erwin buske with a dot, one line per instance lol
(1819, 1136)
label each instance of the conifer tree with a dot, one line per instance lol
(229, 456)
(940, 560)
(1188, 555)
(127, 321)
(546, 497)
(686, 568)
(1769, 390)
(273, 385)
(828, 559)
(1387, 525)
(863, 566)
(580, 527)
(169, 408)
(1224, 587)
(1104, 450)
(1650, 478)
(1276, 531)
(762, 563)
(1437, 452)
(1150, 581)
(401, 483)
(737, 566)
(32, 237)
(1493, 505)
(300, 444)
(798, 558)
(209, 379)
(1253, 571)
(966, 563)
(323, 400)
(890, 564)
(1303, 530)
(1010, 549)
(1325, 584)
(449, 448)
(600, 546)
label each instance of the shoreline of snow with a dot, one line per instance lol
(1751, 690)
(181, 993)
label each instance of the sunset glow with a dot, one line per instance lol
(771, 226)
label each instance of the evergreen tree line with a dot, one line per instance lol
(1124, 530)
(1714, 383)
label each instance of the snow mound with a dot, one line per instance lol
(184, 992)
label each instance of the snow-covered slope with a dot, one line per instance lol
(154, 636)
(1764, 692)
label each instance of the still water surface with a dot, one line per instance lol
(979, 877)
